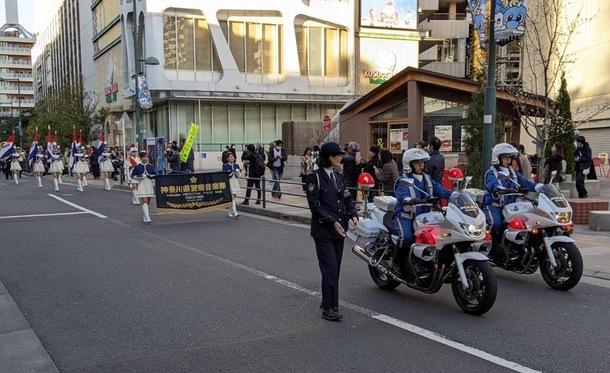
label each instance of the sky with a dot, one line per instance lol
(33, 14)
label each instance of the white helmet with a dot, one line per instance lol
(500, 150)
(411, 155)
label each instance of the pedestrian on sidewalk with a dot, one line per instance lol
(256, 170)
(306, 165)
(582, 156)
(234, 172)
(352, 166)
(145, 174)
(554, 163)
(389, 172)
(331, 207)
(524, 163)
(373, 168)
(435, 167)
(277, 158)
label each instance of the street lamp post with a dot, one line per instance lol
(18, 108)
(137, 67)
(489, 117)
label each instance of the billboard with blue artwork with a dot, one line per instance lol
(509, 20)
(395, 14)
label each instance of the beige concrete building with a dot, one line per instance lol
(16, 91)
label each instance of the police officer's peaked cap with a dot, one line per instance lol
(330, 148)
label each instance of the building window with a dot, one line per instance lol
(188, 44)
(322, 50)
(104, 13)
(256, 47)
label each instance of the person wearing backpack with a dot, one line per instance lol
(256, 170)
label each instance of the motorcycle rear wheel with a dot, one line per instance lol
(382, 280)
(569, 270)
(481, 294)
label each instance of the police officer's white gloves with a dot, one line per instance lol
(538, 187)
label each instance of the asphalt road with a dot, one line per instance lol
(196, 291)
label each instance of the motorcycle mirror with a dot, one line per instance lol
(468, 180)
(553, 173)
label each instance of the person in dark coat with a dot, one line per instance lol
(435, 167)
(94, 162)
(331, 207)
(373, 167)
(582, 156)
(352, 166)
(276, 161)
(554, 163)
(173, 158)
(389, 172)
(256, 170)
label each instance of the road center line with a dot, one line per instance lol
(428, 334)
(43, 215)
(77, 206)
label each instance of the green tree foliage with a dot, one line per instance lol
(474, 136)
(63, 110)
(561, 128)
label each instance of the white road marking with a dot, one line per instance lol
(77, 206)
(596, 281)
(43, 215)
(433, 336)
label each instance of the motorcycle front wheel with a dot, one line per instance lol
(381, 279)
(569, 267)
(482, 288)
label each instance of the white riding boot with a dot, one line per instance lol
(56, 185)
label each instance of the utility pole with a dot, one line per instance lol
(136, 57)
(489, 117)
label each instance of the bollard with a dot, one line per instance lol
(263, 191)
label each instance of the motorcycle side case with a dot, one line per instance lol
(367, 228)
(385, 203)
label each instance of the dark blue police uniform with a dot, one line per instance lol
(329, 203)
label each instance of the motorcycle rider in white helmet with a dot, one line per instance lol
(412, 200)
(502, 178)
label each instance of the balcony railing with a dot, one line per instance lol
(14, 49)
(16, 76)
(15, 62)
(15, 103)
(447, 17)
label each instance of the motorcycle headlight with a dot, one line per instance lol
(563, 217)
(473, 230)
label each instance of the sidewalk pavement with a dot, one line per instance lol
(594, 246)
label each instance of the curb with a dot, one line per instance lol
(275, 214)
(307, 220)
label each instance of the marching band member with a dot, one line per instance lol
(57, 166)
(133, 162)
(106, 168)
(87, 159)
(39, 165)
(144, 173)
(80, 168)
(234, 172)
(17, 158)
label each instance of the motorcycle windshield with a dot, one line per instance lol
(465, 203)
(555, 196)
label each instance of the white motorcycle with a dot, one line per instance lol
(450, 247)
(537, 235)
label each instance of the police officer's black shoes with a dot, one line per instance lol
(331, 315)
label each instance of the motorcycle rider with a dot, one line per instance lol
(502, 177)
(407, 197)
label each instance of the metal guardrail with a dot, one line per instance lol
(264, 190)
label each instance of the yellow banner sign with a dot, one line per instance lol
(188, 144)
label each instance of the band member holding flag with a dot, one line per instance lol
(6, 150)
(57, 165)
(16, 159)
(144, 173)
(133, 162)
(105, 161)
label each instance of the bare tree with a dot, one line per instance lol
(552, 26)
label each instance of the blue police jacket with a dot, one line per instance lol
(141, 170)
(328, 204)
(404, 193)
(494, 180)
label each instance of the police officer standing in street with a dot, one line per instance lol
(331, 208)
